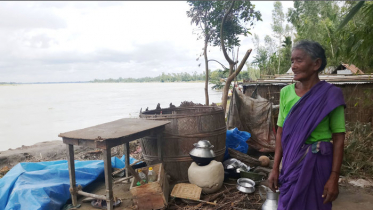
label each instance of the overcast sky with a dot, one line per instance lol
(82, 41)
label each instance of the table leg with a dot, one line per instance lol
(159, 145)
(71, 165)
(108, 178)
(127, 156)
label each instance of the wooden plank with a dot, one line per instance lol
(159, 145)
(123, 169)
(103, 144)
(101, 197)
(71, 165)
(113, 130)
(108, 178)
(70, 141)
(135, 174)
(153, 195)
(126, 179)
(127, 154)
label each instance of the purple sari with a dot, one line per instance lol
(306, 168)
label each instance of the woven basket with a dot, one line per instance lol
(187, 126)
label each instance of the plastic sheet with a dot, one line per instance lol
(253, 115)
(236, 139)
(45, 185)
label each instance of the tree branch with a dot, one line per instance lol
(239, 68)
(218, 62)
(230, 61)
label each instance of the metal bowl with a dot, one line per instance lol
(245, 185)
(202, 152)
(203, 144)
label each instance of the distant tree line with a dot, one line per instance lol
(7, 83)
(170, 77)
(216, 77)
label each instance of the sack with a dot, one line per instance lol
(236, 140)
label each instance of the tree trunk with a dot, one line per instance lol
(279, 62)
(231, 78)
(207, 73)
(232, 74)
(224, 99)
(279, 55)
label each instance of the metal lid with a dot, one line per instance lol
(203, 144)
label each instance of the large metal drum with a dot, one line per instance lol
(188, 126)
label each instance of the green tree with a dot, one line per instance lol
(356, 35)
(217, 78)
(221, 22)
(278, 28)
(322, 21)
(237, 14)
(201, 13)
(317, 21)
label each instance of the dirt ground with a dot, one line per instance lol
(121, 191)
(350, 197)
(354, 198)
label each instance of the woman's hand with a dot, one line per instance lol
(331, 187)
(273, 176)
(331, 190)
(273, 179)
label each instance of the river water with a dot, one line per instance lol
(35, 113)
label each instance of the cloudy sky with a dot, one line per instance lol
(82, 41)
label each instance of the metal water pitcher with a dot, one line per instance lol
(271, 199)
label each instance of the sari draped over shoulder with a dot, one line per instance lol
(306, 168)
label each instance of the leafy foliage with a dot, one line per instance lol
(357, 159)
(321, 20)
(211, 13)
(274, 58)
(209, 17)
(357, 38)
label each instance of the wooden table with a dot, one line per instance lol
(105, 136)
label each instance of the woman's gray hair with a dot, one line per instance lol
(313, 49)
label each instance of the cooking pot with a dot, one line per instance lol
(245, 185)
(202, 152)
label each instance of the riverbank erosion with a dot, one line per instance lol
(350, 198)
(56, 150)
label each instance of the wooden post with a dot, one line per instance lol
(71, 165)
(108, 178)
(159, 145)
(127, 156)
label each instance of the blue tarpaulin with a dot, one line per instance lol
(45, 185)
(236, 139)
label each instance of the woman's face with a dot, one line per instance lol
(303, 66)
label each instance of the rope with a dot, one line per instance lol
(199, 135)
(181, 158)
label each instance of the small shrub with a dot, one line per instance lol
(358, 153)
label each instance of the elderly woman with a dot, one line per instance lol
(311, 116)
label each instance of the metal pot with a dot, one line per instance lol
(245, 185)
(202, 153)
(271, 202)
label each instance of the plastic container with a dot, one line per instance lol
(152, 176)
(142, 176)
